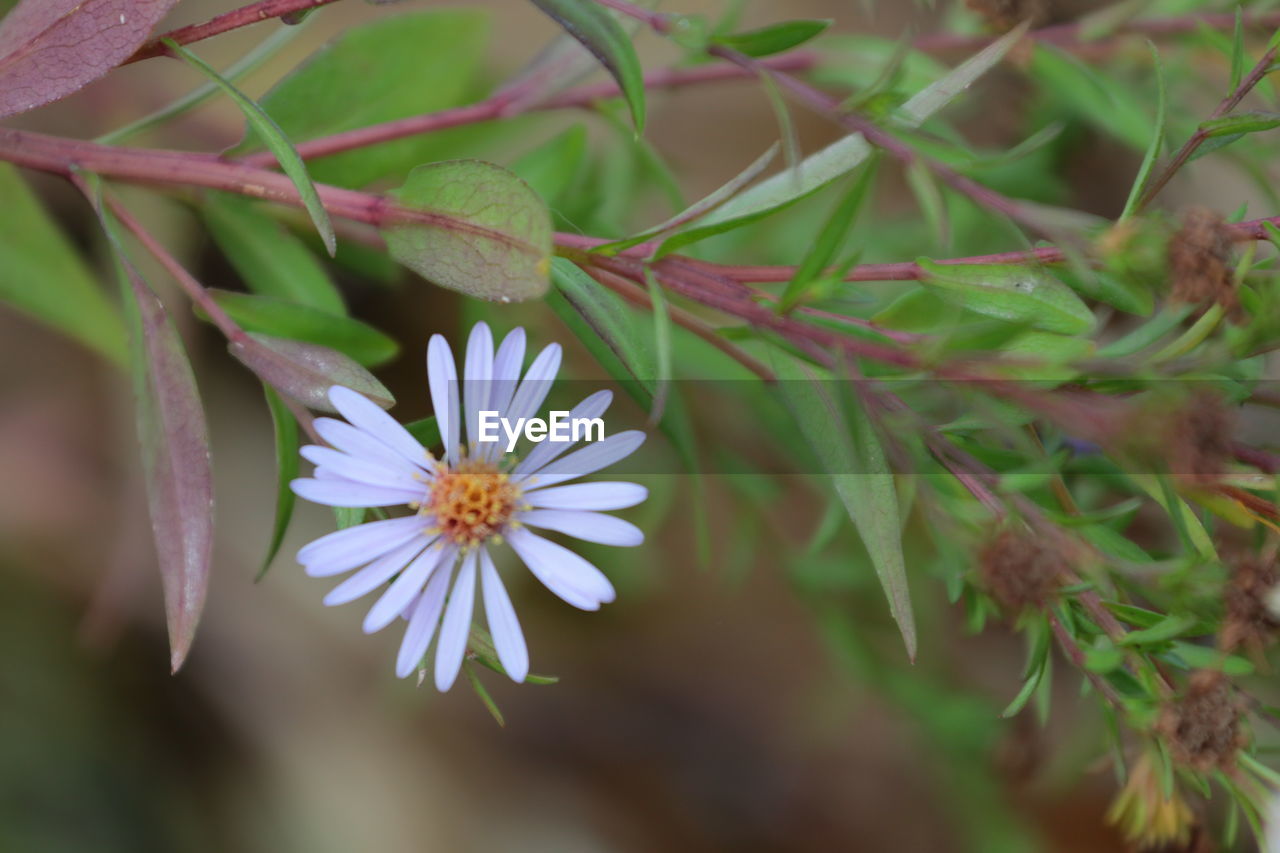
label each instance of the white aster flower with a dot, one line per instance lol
(474, 498)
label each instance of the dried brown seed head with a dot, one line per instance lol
(1200, 269)
(1202, 728)
(1003, 15)
(1249, 622)
(1022, 570)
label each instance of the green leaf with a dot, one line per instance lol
(824, 249)
(384, 70)
(699, 208)
(772, 39)
(349, 516)
(1020, 294)
(426, 431)
(1108, 105)
(251, 61)
(42, 275)
(282, 319)
(600, 33)
(841, 157)
(925, 103)
(287, 443)
(611, 322)
(1157, 139)
(482, 232)
(277, 143)
(305, 372)
(270, 258)
(1202, 657)
(1166, 629)
(849, 450)
(1240, 123)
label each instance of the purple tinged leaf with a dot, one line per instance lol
(52, 48)
(305, 372)
(175, 455)
(490, 236)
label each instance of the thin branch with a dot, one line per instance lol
(254, 13)
(636, 295)
(1073, 651)
(1229, 103)
(507, 103)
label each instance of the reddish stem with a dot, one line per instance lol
(1229, 103)
(235, 19)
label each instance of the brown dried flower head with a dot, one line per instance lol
(1249, 622)
(1190, 438)
(1022, 570)
(1200, 269)
(1202, 728)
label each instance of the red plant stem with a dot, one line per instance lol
(633, 293)
(194, 289)
(235, 19)
(504, 103)
(1073, 651)
(1229, 103)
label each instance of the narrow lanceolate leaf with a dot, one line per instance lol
(51, 48)
(1157, 139)
(776, 38)
(283, 319)
(842, 156)
(828, 243)
(305, 372)
(175, 454)
(42, 274)
(699, 208)
(944, 90)
(270, 258)
(1240, 123)
(286, 432)
(482, 231)
(847, 447)
(279, 145)
(591, 24)
(1019, 294)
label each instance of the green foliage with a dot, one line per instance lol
(406, 65)
(43, 276)
(482, 231)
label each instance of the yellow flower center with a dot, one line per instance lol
(471, 502)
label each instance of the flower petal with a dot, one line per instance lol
(536, 385)
(588, 526)
(422, 623)
(332, 492)
(587, 460)
(404, 588)
(508, 639)
(507, 364)
(442, 378)
(562, 571)
(362, 445)
(361, 470)
(456, 627)
(380, 571)
(365, 414)
(597, 496)
(477, 377)
(543, 452)
(343, 550)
